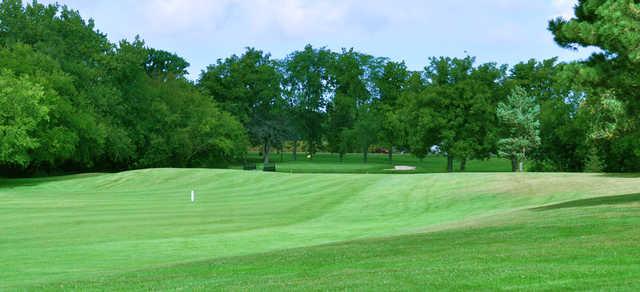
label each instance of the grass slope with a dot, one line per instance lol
(137, 230)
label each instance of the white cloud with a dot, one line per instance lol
(291, 19)
(204, 30)
(179, 16)
(296, 18)
(563, 8)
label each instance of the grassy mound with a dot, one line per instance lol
(138, 229)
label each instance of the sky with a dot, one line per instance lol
(202, 31)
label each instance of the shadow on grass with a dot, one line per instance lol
(621, 175)
(597, 201)
(13, 183)
(32, 182)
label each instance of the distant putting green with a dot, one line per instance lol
(377, 163)
(139, 230)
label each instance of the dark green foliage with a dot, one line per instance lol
(307, 83)
(562, 128)
(249, 87)
(100, 105)
(456, 109)
(609, 77)
(23, 110)
(162, 64)
(351, 116)
(84, 103)
(417, 112)
(391, 84)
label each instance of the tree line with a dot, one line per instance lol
(70, 100)
(73, 101)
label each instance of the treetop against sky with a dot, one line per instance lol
(412, 30)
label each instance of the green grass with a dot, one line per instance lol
(377, 163)
(137, 230)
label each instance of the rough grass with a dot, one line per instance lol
(253, 230)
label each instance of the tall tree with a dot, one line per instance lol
(391, 83)
(520, 116)
(363, 132)
(248, 86)
(307, 84)
(464, 98)
(483, 90)
(341, 115)
(609, 76)
(418, 113)
(352, 102)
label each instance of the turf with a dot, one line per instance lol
(253, 230)
(376, 163)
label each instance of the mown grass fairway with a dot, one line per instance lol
(377, 163)
(253, 230)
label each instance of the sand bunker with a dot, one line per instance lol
(403, 168)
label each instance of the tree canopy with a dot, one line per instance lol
(72, 100)
(610, 78)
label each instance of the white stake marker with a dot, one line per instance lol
(193, 196)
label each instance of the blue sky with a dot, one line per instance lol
(202, 31)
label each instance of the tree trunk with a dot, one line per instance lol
(282, 152)
(514, 164)
(391, 154)
(463, 164)
(295, 149)
(449, 163)
(267, 147)
(365, 152)
(524, 155)
(312, 148)
(341, 156)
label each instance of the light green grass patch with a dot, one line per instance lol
(138, 229)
